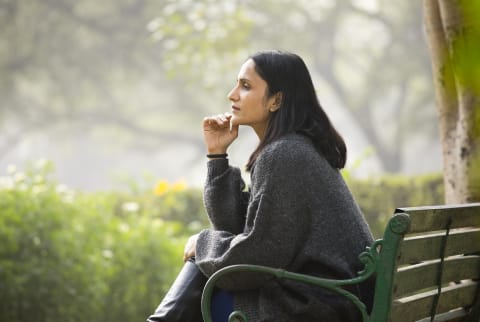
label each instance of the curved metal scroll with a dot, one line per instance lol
(369, 258)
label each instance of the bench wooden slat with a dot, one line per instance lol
(422, 276)
(452, 316)
(417, 249)
(418, 306)
(436, 217)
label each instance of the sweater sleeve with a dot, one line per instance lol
(224, 197)
(276, 227)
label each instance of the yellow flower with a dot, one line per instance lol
(161, 188)
(179, 186)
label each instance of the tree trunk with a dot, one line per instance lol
(453, 34)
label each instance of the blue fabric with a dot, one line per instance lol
(222, 305)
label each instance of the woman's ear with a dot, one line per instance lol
(276, 101)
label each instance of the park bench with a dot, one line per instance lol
(427, 268)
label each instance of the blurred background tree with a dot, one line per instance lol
(454, 32)
(123, 85)
(350, 46)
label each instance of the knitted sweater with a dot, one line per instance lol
(298, 215)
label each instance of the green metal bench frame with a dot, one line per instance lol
(409, 235)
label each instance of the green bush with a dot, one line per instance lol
(66, 256)
(111, 256)
(378, 198)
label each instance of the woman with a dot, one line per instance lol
(298, 213)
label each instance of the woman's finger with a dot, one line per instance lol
(221, 119)
(189, 250)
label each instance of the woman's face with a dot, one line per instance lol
(249, 104)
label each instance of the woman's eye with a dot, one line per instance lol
(245, 85)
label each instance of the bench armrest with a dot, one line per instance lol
(368, 258)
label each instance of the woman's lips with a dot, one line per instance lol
(234, 108)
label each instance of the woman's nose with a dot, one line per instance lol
(232, 95)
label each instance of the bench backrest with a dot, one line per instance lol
(429, 265)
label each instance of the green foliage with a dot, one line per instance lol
(172, 202)
(66, 256)
(378, 198)
(192, 34)
(71, 256)
(467, 48)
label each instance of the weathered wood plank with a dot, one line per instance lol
(451, 316)
(436, 217)
(422, 276)
(418, 306)
(416, 249)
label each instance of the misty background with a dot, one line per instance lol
(115, 91)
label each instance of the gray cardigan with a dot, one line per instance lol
(298, 215)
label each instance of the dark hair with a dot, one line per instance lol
(300, 110)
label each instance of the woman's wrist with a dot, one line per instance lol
(217, 155)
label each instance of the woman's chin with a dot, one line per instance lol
(234, 121)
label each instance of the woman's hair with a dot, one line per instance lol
(300, 111)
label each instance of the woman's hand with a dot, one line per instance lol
(189, 250)
(219, 133)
